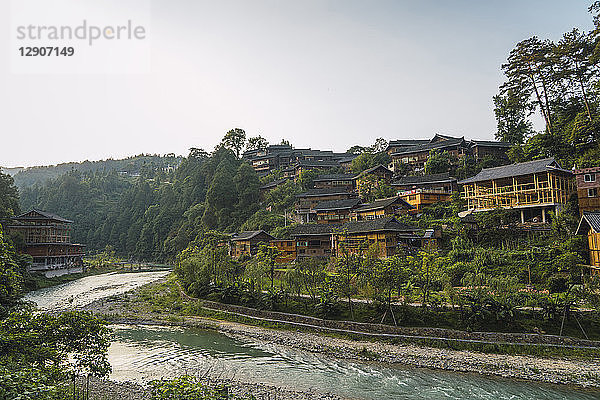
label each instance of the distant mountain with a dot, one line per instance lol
(11, 171)
(131, 166)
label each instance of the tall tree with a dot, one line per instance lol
(234, 140)
(257, 143)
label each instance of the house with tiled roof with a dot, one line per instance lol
(534, 188)
(247, 242)
(386, 234)
(308, 200)
(335, 211)
(388, 207)
(423, 190)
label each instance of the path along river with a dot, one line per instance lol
(148, 352)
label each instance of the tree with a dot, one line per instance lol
(439, 162)
(9, 197)
(574, 51)
(363, 162)
(307, 177)
(347, 266)
(267, 254)
(512, 118)
(379, 146)
(389, 274)
(530, 76)
(11, 281)
(257, 143)
(234, 140)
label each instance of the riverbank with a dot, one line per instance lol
(102, 389)
(137, 308)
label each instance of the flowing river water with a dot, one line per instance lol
(151, 352)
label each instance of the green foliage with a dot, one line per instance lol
(234, 140)
(282, 197)
(9, 197)
(257, 143)
(558, 80)
(189, 388)
(439, 162)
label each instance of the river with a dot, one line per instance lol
(141, 353)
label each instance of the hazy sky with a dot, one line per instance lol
(322, 74)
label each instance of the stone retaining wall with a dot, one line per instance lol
(416, 332)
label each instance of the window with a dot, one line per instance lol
(589, 178)
(593, 192)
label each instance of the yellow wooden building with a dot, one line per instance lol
(533, 187)
(388, 207)
(589, 225)
(389, 235)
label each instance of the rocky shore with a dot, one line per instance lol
(582, 373)
(103, 389)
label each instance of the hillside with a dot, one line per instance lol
(131, 166)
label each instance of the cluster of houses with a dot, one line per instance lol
(333, 213)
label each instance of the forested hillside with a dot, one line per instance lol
(143, 164)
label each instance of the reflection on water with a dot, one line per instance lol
(142, 353)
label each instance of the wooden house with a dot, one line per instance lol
(588, 188)
(371, 178)
(339, 181)
(307, 201)
(415, 157)
(589, 225)
(395, 146)
(533, 188)
(388, 207)
(286, 248)
(46, 238)
(246, 243)
(389, 235)
(314, 240)
(335, 211)
(424, 190)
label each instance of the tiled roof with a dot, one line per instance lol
(507, 171)
(337, 204)
(382, 203)
(432, 178)
(489, 143)
(378, 224)
(41, 215)
(373, 169)
(589, 219)
(314, 229)
(248, 235)
(406, 143)
(317, 163)
(274, 183)
(333, 177)
(452, 142)
(322, 192)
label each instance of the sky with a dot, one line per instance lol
(325, 74)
